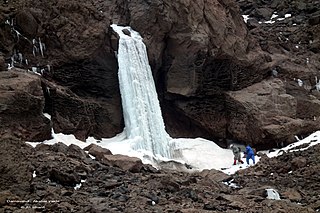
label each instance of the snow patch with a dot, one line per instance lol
(231, 184)
(311, 140)
(288, 15)
(272, 194)
(78, 186)
(245, 18)
(92, 157)
(47, 115)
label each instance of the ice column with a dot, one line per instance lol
(141, 108)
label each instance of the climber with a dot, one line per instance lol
(236, 152)
(249, 154)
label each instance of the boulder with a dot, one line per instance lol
(298, 162)
(292, 195)
(26, 22)
(214, 175)
(124, 162)
(97, 151)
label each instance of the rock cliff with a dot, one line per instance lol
(207, 64)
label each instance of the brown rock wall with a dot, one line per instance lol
(21, 105)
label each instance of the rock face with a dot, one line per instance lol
(49, 177)
(81, 70)
(264, 112)
(287, 30)
(82, 92)
(21, 105)
(202, 49)
(203, 56)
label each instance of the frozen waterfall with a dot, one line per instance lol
(141, 109)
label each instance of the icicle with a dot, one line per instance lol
(26, 62)
(34, 51)
(48, 66)
(41, 47)
(12, 61)
(9, 67)
(317, 84)
(17, 32)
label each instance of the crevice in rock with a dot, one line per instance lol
(48, 102)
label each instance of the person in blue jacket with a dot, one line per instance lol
(249, 154)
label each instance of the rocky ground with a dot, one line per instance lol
(42, 179)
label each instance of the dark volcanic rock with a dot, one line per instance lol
(97, 151)
(298, 182)
(264, 113)
(48, 174)
(15, 168)
(21, 105)
(291, 40)
(69, 45)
